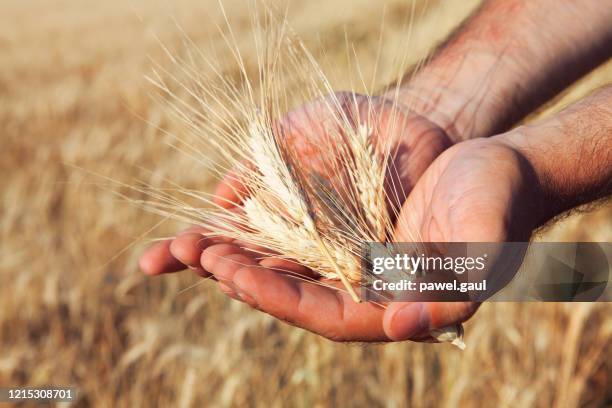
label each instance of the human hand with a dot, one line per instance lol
(487, 190)
(482, 190)
(470, 91)
(332, 314)
(502, 188)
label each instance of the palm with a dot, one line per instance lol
(477, 191)
(470, 194)
(415, 140)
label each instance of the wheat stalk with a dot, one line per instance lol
(319, 217)
(293, 212)
(369, 177)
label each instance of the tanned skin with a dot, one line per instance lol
(510, 57)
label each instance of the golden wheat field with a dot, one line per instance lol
(75, 310)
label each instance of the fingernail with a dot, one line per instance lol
(244, 294)
(248, 299)
(409, 321)
(228, 290)
(200, 271)
(226, 278)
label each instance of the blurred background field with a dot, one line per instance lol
(72, 91)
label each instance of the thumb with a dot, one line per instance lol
(410, 320)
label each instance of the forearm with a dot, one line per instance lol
(510, 57)
(570, 154)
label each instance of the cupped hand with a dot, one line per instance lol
(271, 285)
(482, 190)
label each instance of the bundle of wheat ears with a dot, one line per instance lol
(318, 212)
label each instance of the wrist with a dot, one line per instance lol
(546, 200)
(467, 96)
(506, 61)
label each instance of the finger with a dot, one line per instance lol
(403, 321)
(228, 290)
(230, 191)
(326, 311)
(225, 259)
(288, 267)
(256, 249)
(412, 155)
(158, 259)
(222, 260)
(188, 247)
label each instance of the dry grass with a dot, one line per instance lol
(72, 90)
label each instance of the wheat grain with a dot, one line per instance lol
(369, 177)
